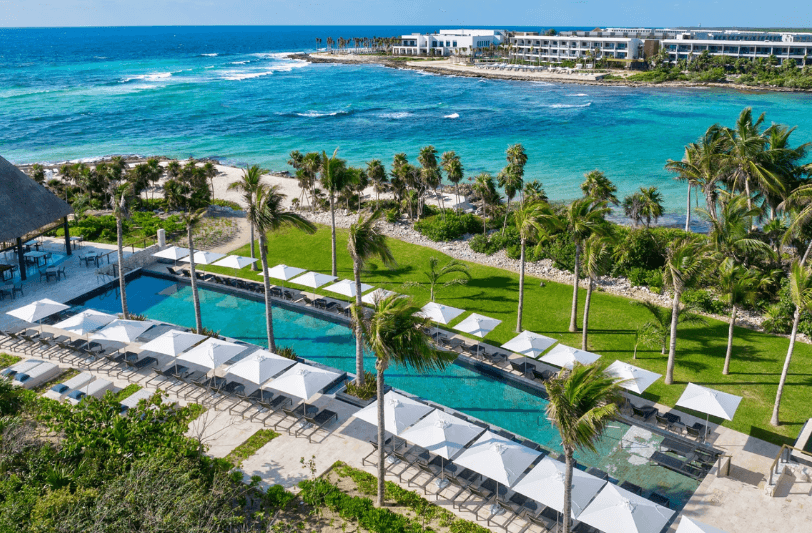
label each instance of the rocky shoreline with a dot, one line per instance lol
(439, 71)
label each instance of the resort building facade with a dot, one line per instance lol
(531, 46)
(446, 42)
(738, 44)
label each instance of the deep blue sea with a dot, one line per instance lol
(232, 93)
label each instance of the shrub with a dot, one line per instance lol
(641, 277)
(286, 352)
(453, 226)
(367, 391)
(560, 249)
(496, 241)
(704, 300)
(393, 215)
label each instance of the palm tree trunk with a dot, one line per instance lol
(585, 327)
(806, 253)
(333, 229)
(521, 290)
(381, 455)
(774, 420)
(565, 512)
(507, 210)
(267, 286)
(359, 336)
(576, 273)
(121, 282)
(733, 311)
(193, 280)
(688, 212)
(253, 255)
(672, 349)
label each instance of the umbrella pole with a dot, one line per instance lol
(707, 423)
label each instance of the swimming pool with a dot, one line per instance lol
(32, 271)
(623, 451)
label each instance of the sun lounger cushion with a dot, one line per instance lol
(36, 376)
(95, 388)
(22, 366)
(131, 401)
(59, 391)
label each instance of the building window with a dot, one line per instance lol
(455, 44)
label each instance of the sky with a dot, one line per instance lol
(544, 13)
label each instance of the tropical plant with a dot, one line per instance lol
(582, 402)
(729, 234)
(485, 187)
(268, 215)
(581, 219)
(210, 171)
(395, 332)
(656, 331)
(376, 173)
(650, 204)
(526, 218)
(364, 242)
(248, 185)
(596, 185)
(453, 171)
(121, 212)
(533, 192)
(597, 252)
(685, 260)
(334, 178)
(430, 169)
(800, 284)
(511, 178)
(191, 219)
(434, 275)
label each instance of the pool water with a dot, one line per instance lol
(622, 451)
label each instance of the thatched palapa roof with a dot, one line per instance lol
(25, 205)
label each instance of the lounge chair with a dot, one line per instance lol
(59, 391)
(676, 446)
(667, 461)
(132, 401)
(631, 487)
(297, 414)
(375, 449)
(659, 499)
(644, 412)
(95, 388)
(36, 376)
(542, 375)
(319, 421)
(21, 367)
(429, 465)
(523, 368)
(274, 406)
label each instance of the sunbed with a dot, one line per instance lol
(36, 376)
(318, 421)
(58, 392)
(95, 388)
(131, 401)
(22, 366)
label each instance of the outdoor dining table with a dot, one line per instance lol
(37, 256)
(7, 272)
(76, 241)
(34, 243)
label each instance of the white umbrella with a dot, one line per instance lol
(235, 261)
(710, 402)
(85, 322)
(497, 458)
(442, 434)
(615, 510)
(477, 325)
(203, 258)
(545, 484)
(173, 252)
(36, 311)
(172, 343)
(376, 295)
(303, 381)
(689, 525)
(260, 366)
(399, 412)
(314, 280)
(346, 287)
(125, 331)
(212, 353)
(529, 344)
(442, 314)
(566, 356)
(634, 378)
(283, 272)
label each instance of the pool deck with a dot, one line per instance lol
(736, 504)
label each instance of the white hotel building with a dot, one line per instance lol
(445, 42)
(734, 43)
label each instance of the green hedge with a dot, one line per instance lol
(449, 227)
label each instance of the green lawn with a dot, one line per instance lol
(757, 358)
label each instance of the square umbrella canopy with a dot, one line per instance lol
(378, 294)
(36, 311)
(203, 258)
(442, 314)
(634, 378)
(313, 279)
(235, 261)
(399, 412)
(173, 252)
(212, 353)
(529, 344)
(566, 356)
(260, 366)
(497, 458)
(346, 287)
(709, 401)
(442, 434)
(303, 381)
(545, 484)
(477, 325)
(172, 343)
(283, 272)
(125, 331)
(85, 322)
(689, 525)
(615, 510)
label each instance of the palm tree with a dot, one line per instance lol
(729, 234)
(268, 215)
(485, 187)
(511, 182)
(656, 331)
(395, 334)
(334, 178)
(533, 192)
(632, 205)
(800, 286)
(248, 185)
(582, 218)
(597, 251)
(210, 172)
(430, 171)
(434, 275)
(582, 402)
(596, 185)
(684, 261)
(377, 175)
(364, 242)
(191, 219)
(121, 212)
(651, 204)
(526, 219)
(453, 171)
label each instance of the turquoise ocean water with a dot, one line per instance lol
(232, 93)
